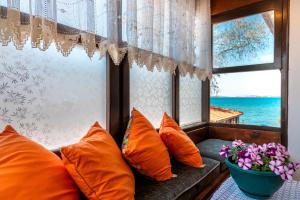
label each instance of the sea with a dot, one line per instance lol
(261, 111)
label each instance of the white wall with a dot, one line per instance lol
(294, 83)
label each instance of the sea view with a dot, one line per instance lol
(261, 111)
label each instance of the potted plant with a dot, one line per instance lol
(258, 170)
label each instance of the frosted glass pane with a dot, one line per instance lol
(151, 93)
(50, 98)
(189, 100)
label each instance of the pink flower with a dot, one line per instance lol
(277, 167)
(238, 143)
(253, 150)
(293, 166)
(279, 156)
(263, 148)
(245, 164)
(287, 174)
(224, 152)
(257, 160)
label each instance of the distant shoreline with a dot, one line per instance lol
(243, 97)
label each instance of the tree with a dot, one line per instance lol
(240, 40)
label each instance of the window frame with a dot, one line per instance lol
(246, 11)
(280, 8)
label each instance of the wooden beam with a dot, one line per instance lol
(175, 95)
(247, 135)
(113, 105)
(205, 100)
(285, 72)
(220, 6)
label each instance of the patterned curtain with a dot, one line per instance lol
(156, 33)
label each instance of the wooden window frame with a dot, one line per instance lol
(280, 59)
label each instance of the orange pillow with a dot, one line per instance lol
(144, 150)
(97, 166)
(29, 171)
(179, 144)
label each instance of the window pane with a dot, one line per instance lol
(51, 98)
(151, 93)
(189, 100)
(247, 98)
(244, 41)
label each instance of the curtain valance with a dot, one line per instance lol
(165, 34)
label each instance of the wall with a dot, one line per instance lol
(294, 82)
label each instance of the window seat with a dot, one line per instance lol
(189, 181)
(186, 185)
(210, 148)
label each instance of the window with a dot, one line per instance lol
(189, 100)
(251, 98)
(244, 41)
(151, 93)
(50, 98)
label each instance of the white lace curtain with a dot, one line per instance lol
(169, 33)
(156, 33)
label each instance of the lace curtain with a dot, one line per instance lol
(93, 23)
(165, 34)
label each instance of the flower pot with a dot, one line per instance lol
(255, 184)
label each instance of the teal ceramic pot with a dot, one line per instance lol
(255, 184)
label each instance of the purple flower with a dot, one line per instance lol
(258, 155)
(277, 167)
(238, 143)
(243, 154)
(257, 160)
(293, 166)
(271, 151)
(245, 164)
(263, 148)
(253, 151)
(287, 174)
(279, 156)
(224, 152)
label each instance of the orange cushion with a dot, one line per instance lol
(97, 166)
(144, 150)
(29, 171)
(179, 144)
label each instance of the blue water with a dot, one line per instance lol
(261, 111)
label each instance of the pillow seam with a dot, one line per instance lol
(80, 176)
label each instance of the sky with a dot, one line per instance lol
(259, 83)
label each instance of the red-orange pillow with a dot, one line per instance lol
(29, 171)
(179, 144)
(97, 166)
(144, 150)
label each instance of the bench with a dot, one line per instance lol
(189, 181)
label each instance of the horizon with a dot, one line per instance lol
(250, 96)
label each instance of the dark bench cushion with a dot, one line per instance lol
(187, 185)
(210, 148)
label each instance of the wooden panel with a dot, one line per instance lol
(247, 135)
(219, 6)
(198, 135)
(212, 187)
